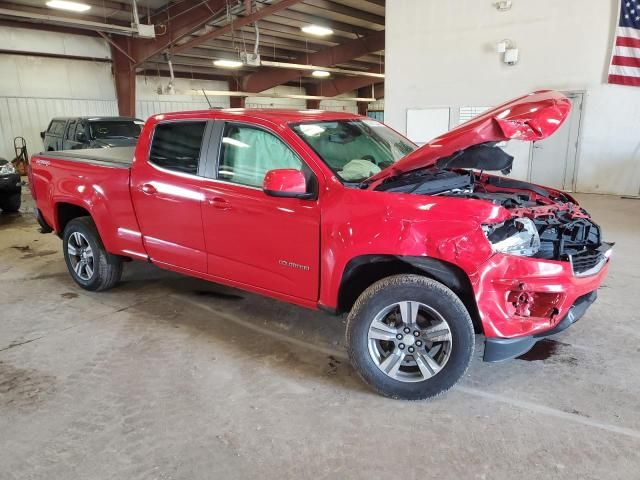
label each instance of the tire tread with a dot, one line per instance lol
(403, 280)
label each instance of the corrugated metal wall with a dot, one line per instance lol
(27, 117)
(146, 108)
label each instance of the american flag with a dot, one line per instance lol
(625, 60)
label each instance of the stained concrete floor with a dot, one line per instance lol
(168, 377)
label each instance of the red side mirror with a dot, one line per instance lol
(286, 182)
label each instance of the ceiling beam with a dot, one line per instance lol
(30, 14)
(338, 86)
(300, 19)
(237, 23)
(183, 19)
(378, 91)
(333, 7)
(180, 74)
(48, 28)
(270, 77)
(280, 42)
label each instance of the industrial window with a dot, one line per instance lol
(176, 146)
(248, 153)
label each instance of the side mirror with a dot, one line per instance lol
(42, 135)
(81, 137)
(286, 182)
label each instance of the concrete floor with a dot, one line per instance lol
(173, 378)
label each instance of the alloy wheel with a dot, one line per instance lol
(409, 341)
(80, 256)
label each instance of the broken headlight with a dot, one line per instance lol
(7, 168)
(516, 236)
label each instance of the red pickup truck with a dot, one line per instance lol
(338, 212)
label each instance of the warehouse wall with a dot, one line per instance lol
(150, 102)
(563, 45)
(34, 89)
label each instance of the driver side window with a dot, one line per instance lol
(247, 153)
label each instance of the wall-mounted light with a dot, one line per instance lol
(227, 63)
(317, 30)
(508, 50)
(503, 5)
(65, 5)
(320, 73)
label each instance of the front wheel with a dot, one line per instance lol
(90, 265)
(11, 203)
(410, 337)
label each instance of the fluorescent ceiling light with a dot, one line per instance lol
(320, 73)
(64, 5)
(227, 63)
(317, 30)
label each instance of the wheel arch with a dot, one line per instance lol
(66, 211)
(362, 271)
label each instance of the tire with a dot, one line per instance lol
(382, 314)
(11, 203)
(102, 270)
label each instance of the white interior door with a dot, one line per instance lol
(553, 160)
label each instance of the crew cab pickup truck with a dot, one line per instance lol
(73, 133)
(333, 211)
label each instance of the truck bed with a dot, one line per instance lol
(95, 180)
(117, 157)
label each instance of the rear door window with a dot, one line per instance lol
(176, 146)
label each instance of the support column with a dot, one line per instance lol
(125, 77)
(236, 102)
(363, 108)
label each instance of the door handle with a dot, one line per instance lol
(148, 189)
(220, 203)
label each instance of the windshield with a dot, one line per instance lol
(115, 129)
(354, 149)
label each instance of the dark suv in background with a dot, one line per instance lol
(71, 133)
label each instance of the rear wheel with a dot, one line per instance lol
(410, 337)
(89, 264)
(11, 203)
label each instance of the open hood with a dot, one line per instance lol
(531, 117)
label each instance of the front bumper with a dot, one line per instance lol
(10, 184)
(499, 349)
(522, 299)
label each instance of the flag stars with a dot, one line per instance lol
(626, 16)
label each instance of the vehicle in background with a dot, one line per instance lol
(72, 133)
(338, 212)
(10, 187)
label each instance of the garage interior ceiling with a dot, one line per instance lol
(196, 33)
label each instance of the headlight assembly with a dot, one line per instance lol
(516, 236)
(7, 168)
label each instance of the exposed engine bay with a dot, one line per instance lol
(545, 224)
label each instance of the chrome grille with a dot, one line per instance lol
(587, 262)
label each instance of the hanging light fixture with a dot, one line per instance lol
(317, 30)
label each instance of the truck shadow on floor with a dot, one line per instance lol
(273, 333)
